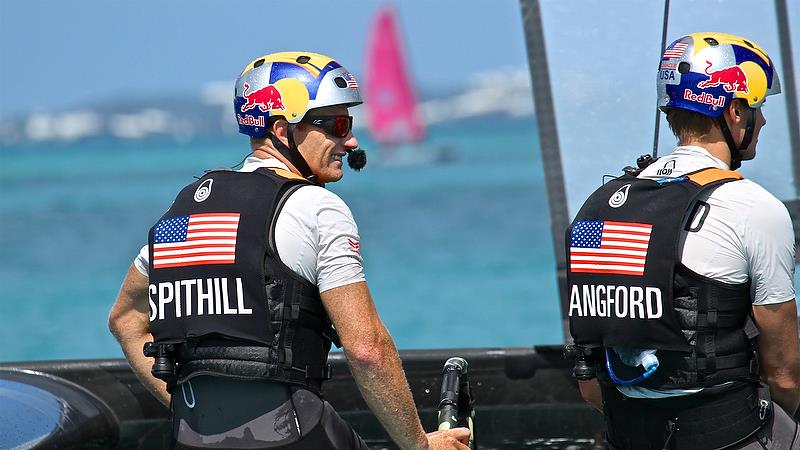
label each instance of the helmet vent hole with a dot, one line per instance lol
(303, 59)
(711, 41)
(340, 82)
(748, 43)
(684, 67)
(258, 63)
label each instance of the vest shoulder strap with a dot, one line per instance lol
(713, 175)
(283, 173)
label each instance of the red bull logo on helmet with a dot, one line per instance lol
(704, 98)
(266, 98)
(249, 120)
(732, 79)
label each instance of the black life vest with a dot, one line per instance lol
(219, 291)
(628, 288)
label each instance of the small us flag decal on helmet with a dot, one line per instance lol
(351, 81)
(676, 51)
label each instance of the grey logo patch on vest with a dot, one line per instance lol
(620, 197)
(203, 191)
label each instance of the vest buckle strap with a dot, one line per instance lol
(672, 426)
(754, 367)
(285, 356)
(330, 334)
(321, 373)
(707, 320)
(750, 328)
(291, 312)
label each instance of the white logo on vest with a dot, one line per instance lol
(620, 197)
(203, 191)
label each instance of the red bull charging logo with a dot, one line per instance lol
(732, 79)
(266, 98)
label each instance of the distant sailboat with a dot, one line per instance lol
(395, 121)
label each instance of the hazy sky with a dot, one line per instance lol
(56, 53)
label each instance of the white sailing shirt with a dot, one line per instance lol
(315, 235)
(747, 234)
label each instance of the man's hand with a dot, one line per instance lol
(455, 438)
(590, 391)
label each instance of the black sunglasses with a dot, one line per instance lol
(338, 126)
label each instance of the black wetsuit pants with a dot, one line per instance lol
(218, 413)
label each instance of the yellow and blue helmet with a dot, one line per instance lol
(289, 84)
(703, 72)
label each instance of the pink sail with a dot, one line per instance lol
(389, 97)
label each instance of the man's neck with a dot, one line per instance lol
(718, 148)
(265, 152)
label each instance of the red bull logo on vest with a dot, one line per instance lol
(732, 79)
(266, 98)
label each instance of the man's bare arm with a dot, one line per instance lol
(590, 391)
(129, 322)
(779, 352)
(377, 369)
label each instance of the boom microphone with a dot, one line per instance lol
(356, 159)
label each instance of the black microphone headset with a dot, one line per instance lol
(356, 159)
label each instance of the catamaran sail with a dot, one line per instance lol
(390, 98)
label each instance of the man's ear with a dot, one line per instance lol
(280, 129)
(741, 108)
(734, 111)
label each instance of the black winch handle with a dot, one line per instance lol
(456, 403)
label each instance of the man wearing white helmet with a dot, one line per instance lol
(681, 274)
(251, 275)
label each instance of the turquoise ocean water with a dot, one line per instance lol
(456, 254)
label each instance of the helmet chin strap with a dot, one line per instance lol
(736, 150)
(292, 154)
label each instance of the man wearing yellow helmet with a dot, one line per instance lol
(252, 275)
(681, 274)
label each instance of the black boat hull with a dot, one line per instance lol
(526, 398)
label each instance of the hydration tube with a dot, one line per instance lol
(650, 365)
